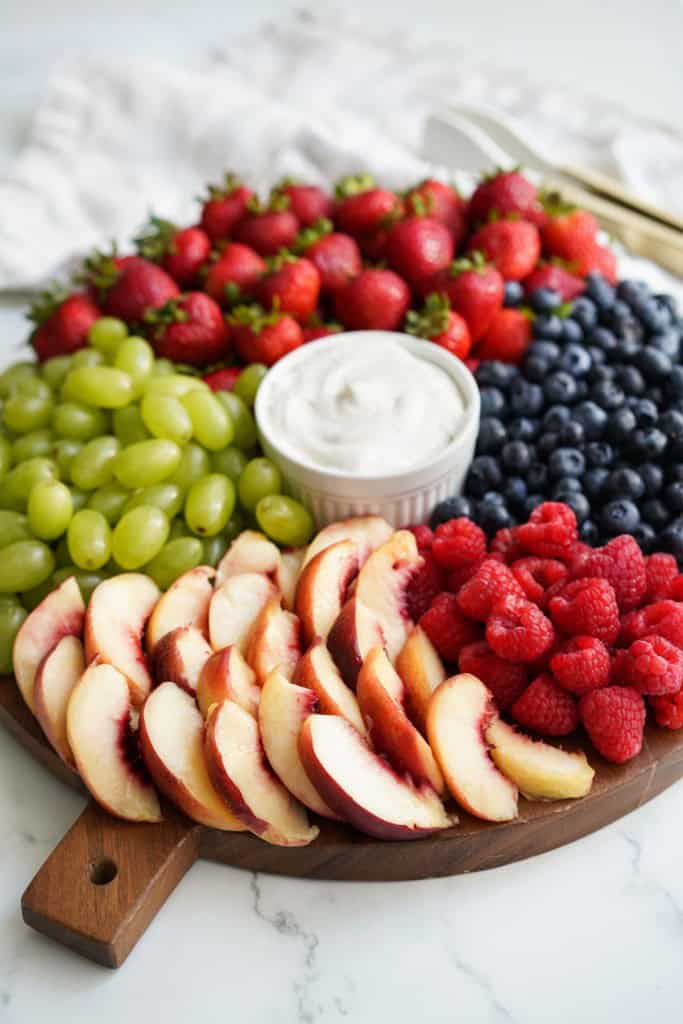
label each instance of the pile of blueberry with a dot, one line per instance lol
(593, 418)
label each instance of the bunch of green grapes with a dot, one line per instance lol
(112, 460)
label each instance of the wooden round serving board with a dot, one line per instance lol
(101, 887)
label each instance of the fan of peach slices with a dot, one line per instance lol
(281, 688)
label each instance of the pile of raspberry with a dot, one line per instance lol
(564, 635)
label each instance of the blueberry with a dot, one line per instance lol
(585, 312)
(625, 483)
(493, 516)
(579, 504)
(654, 364)
(594, 482)
(545, 300)
(668, 342)
(515, 491)
(575, 359)
(603, 339)
(516, 457)
(655, 513)
(598, 357)
(619, 516)
(560, 387)
(607, 395)
(671, 422)
(592, 418)
(673, 497)
(484, 475)
(451, 508)
(547, 350)
(547, 326)
(646, 412)
(599, 290)
(495, 374)
(536, 368)
(600, 373)
(675, 472)
(599, 454)
(627, 349)
(672, 540)
(645, 536)
(492, 401)
(653, 314)
(652, 476)
(655, 394)
(630, 379)
(556, 416)
(670, 302)
(588, 532)
(526, 399)
(492, 435)
(620, 424)
(572, 331)
(631, 291)
(532, 502)
(566, 462)
(567, 485)
(493, 497)
(570, 434)
(674, 385)
(514, 293)
(536, 476)
(648, 443)
(522, 429)
(547, 443)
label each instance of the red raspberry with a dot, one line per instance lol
(506, 546)
(577, 559)
(519, 631)
(654, 666)
(676, 588)
(621, 563)
(425, 584)
(491, 581)
(535, 575)
(587, 606)
(581, 665)
(458, 542)
(617, 668)
(664, 618)
(505, 680)
(545, 708)
(447, 627)
(424, 537)
(458, 577)
(551, 531)
(614, 718)
(661, 570)
(668, 710)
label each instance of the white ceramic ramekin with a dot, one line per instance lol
(402, 498)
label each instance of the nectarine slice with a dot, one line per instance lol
(185, 603)
(541, 771)
(57, 675)
(235, 607)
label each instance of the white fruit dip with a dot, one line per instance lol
(364, 407)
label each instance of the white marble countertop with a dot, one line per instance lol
(591, 933)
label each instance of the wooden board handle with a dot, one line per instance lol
(103, 884)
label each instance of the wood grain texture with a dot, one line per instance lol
(103, 922)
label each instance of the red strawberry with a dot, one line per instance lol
(417, 248)
(62, 323)
(375, 300)
(569, 231)
(363, 210)
(267, 229)
(180, 251)
(314, 331)
(438, 323)
(136, 286)
(506, 192)
(291, 284)
(308, 203)
(475, 290)
(335, 255)
(557, 277)
(223, 380)
(190, 329)
(225, 207)
(261, 337)
(235, 274)
(600, 258)
(513, 246)
(432, 198)
(507, 338)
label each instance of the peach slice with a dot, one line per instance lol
(240, 772)
(283, 710)
(114, 623)
(421, 671)
(61, 613)
(366, 532)
(103, 742)
(250, 552)
(275, 641)
(287, 575)
(318, 672)
(361, 787)
(235, 607)
(381, 697)
(57, 675)
(226, 676)
(185, 603)
(541, 771)
(323, 587)
(459, 714)
(180, 656)
(172, 745)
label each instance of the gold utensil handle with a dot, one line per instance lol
(613, 189)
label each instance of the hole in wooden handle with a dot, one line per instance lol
(103, 871)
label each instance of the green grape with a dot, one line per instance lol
(33, 387)
(146, 463)
(163, 368)
(87, 357)
(32, 598)
(21, 480)
(284, 520)
(128, 425)
(179, 528)
(107, 333)
(13, 526)
(87, 581)
(135, 356)
(211, 424)
(139, 536)
(214, 549)
(93, 465)
(168, 497)
(89, 539)
(243, 422)
(6, 450)
(64, 453)
(230, 461)
(24, 413)
(78, 422)
(11, 617)
(194, 464)
(62, 556)
(50, 508)
(260, 478)
(166, 416)
(104, 387)
(109, 500)
(175, 558)
(248, 383)
(174, 384)
(235, 525)
(14, 375)
(25, 564)
(55, 370)
(209, 504)
(79, 498)
(38, 442)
